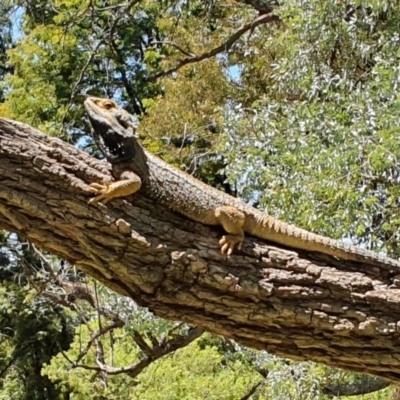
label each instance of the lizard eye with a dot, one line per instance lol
(108, 105)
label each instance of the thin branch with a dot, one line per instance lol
(120, 58)
(167, 43)
(122, 10)
(95, 336)
(164, 349)
(139, 340)
(251, 391)
(79, 80)
(262, 19)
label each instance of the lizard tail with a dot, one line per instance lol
(269, 228)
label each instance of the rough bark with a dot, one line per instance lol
(290, 303)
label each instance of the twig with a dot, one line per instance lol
(167, 43)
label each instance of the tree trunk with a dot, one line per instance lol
(294, 304)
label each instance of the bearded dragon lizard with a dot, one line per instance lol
(135, 169)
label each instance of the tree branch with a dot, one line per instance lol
(134, 370)
(172, 44)
(295, 304)
(224, 47)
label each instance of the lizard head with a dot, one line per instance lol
(113, 128)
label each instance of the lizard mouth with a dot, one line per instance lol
(122, 122)
(126, 123)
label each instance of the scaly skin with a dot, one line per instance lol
(135, 168)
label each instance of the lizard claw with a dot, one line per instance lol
(93, 189)
(228, 243)
(98, 188)
(101, 190)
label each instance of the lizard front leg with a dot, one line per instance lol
(129, 183)
(232, 220)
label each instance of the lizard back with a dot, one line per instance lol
(194, 199)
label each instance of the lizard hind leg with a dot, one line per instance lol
(232, 220)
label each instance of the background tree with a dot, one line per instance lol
(32, 328)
